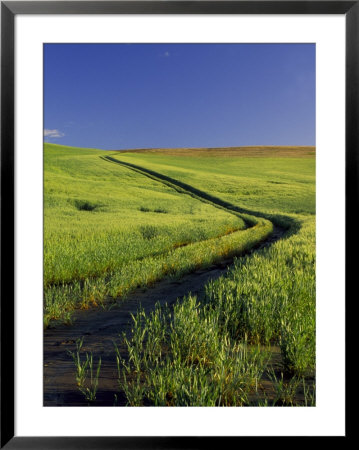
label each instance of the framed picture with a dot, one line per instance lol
(165, 165)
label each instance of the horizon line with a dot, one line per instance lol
(186, 148)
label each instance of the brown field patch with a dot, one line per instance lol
(260, 151)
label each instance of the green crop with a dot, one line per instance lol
(108, 230)
(118, 220)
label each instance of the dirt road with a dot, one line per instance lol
(101, 328)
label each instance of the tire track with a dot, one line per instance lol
(184, 188)
(289, 224)
(102, 328)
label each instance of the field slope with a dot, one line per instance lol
(118, 220)
(109, 230)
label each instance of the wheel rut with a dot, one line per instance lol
(101, 328)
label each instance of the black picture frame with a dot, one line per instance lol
(9, 9)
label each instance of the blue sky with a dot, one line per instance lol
(117, 96)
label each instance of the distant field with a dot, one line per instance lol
(253, 152)
(118, 220)
(274, 183)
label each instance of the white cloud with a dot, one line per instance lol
(166, 54)
(53, 133)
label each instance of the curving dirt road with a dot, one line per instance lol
(101, 328)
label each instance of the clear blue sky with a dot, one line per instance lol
(116, 96)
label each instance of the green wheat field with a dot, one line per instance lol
(117, 221)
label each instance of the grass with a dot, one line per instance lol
(93, 216)
(210, 353)
(87, 387)
(169, 212)
(186, 358)
(98, 242)
(267, 298)
(274, 183)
